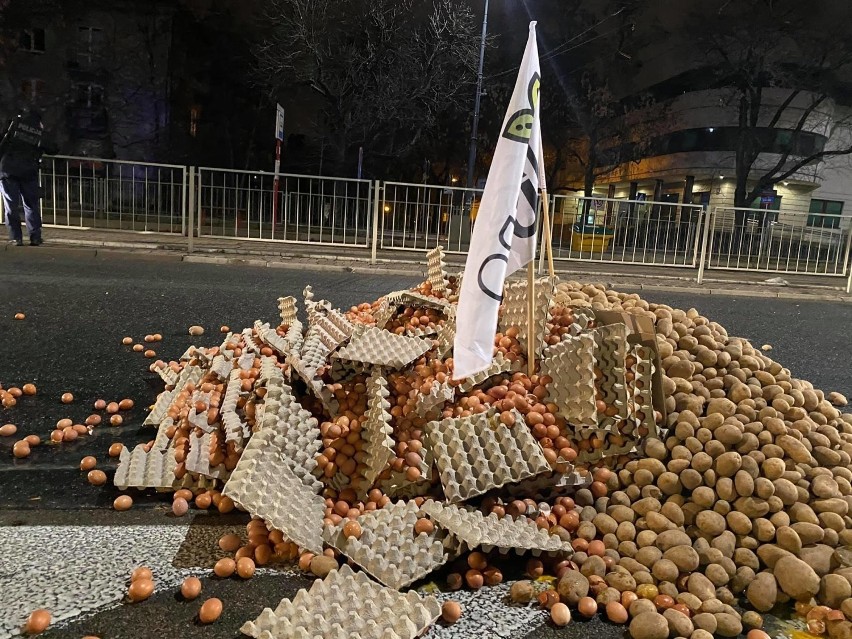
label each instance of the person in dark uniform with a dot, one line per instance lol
(20, 152)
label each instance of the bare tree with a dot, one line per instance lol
(383, 71)
(783, 63)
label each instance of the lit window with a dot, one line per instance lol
(825, 214)
(32, 40)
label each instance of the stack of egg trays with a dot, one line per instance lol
(140, 469)
(478, 453)
(500, 364)
(271, 338)
(436, 269)
(377, 430)
(381, 348)
(168, 376)
(475, 530)
(438, 395)
(346, 605)
(417, 300)
(264, 483)
(198, 459)
(642, 396)
(446, 336)
(611, 353)
(164, 400)
(287, 310)
(571, 364)
(390, 550)
(221, 366)
(313, 354)
(384, 312)
(250, 344)
(315, 385)
(516, 311)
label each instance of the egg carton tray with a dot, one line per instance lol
(295, 432)
(389, 549)
(161, 439)
(166, 374)
(438, 395)
(475, 530)
(342, 369)
(250, 345)
(610, 447)
(313, 354)
(377, 429)
(611, 340)
(287, 310)
(398, 486)
(270, 337)
(446, 336)
(499, 364)
(198, 459)
(516, 312)
(571, 364)
(221, 367)
(346, 605)
(140, 469)
(332, 327)
(270, 371)
(417, 300)
(642, 396)
(549, 485)
(478, 453)
(265, 485)
(236, 430)
(379, 347)
(315, 386)
(164, 400)
(384, 312)
(436, 269)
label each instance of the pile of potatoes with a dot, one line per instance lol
(743, 505)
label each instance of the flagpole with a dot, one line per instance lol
(545, 236)
(530, 320)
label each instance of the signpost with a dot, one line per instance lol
(279, 138)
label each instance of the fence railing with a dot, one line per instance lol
(246, 205)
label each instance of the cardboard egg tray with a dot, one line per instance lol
(236, 430)
(316, 386)
(642, 395)
(390, 550)
(287, 309)
(478, 453)
(138, 469)
(271, 338)
(499, 364)
(346, 605)
(446, 334)
(269, 370)
(474, 529)
(384, 312)
(333, 329)
(312, 355)
(399, 486)
(379, 347)
(166, 374)
(515, 310)
(609, 449)
(439, 394)
(198, 459)
(264, 483)
(342, 369)
(221, 367)
(417, 300)
(377, 429)
(611, 352)
(571, 365)
(549, 485)
(250, 345)
(161, 440)
(436, 269)
(164, 400)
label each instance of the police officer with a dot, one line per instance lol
(20, 153)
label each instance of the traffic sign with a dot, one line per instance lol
(279, 123)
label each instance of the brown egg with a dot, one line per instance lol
(125, 404)
(596, 547)
(560, 615)
(477, 560)
(29, 389)
(112, 408)
(548, 598)
(100, 404)
(224, 329)
(225, 567)
(210, 610)
(62, 424)
(20, 316)
(245, 567)
(7, 430)
(229, 542)
(88, 463)
(122, 502)
(21, 449)
(127, 341)
(115, 449)
(93, 420)
(67, 398)
(474, 579)
(138, 348)
(81, 429)
(142, 572)
(203, 501)
(352, 529)
(140, 589)
(190, 588)
(38, 621)
(180, 507)
(97, 478)
(756, 633)
(587, 607)
(663, 602)
(69, 434)
(616, 613)
(150, 354)
(56, 436)
(226, 504)
(423, 525)
(451, 611)
(492, 576)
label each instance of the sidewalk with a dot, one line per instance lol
(354, 259)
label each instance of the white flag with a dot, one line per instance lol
(504, 233)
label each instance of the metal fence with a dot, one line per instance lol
(310, 209)
(221, 203)
(625, 231)
(420, 216)
(113, 194)
(779, 242)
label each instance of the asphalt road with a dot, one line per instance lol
(78, 307)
